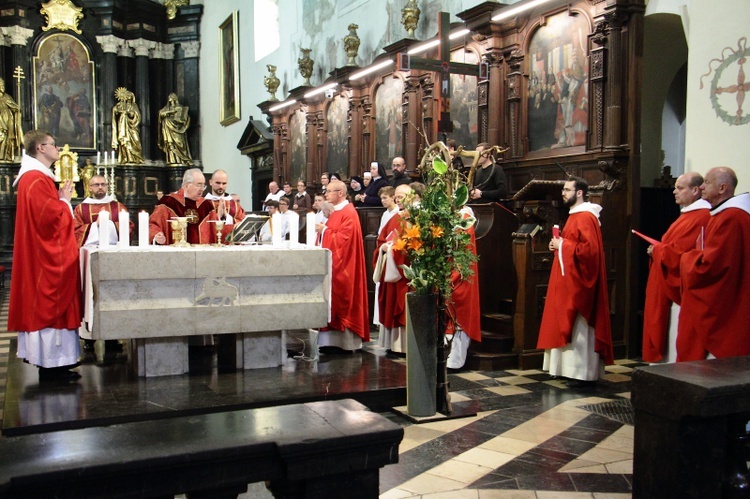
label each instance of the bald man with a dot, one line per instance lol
(663, 300)
(219, 181)
(715, 310)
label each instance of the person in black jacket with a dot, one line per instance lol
(489, 179)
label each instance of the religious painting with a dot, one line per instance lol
(463, 109)
(388, 119)
(557, 103)
(64, 97)
(229, 71)
(337, 159)
(297, 145)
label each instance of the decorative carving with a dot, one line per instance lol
(18, 35)
(141, 46)
(66, 168)
(173, 124)
(351, 45)
(483, 92)
(611, 168)
(305, 65)
(62, 15)
(410, 17)
(271, 82)
(110, 44)
(172, 5)
(217, 288)
(599, 113)
(191, 49)
(735, 82)
(126, 134)
(542, 261)
(597, 63)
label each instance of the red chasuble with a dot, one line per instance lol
(715, 311)
(464, 304)
(663, 287)
(349, 307)
(45, 289)
(86, 214)
(200, 230)
(582, 290)
(392, 295)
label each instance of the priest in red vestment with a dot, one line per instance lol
(187, 202)
(575, 329)
(349, 325)
(663, 288)
(45, 292)
(715, 312)
(218, 183)
(86, 214)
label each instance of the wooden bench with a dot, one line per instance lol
(321, 449)
(690, 428)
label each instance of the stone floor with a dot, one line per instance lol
(532, 437)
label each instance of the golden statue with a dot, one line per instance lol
(305, 65)
(351, 45)
(126, 138)
(11, 134)
(410, 17)
(173, 124)
(66, 167)
(172, 5)
(86, 173)
(271, 82)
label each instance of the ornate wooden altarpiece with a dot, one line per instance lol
(561, 94)
(100, 45)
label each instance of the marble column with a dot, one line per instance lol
(19, 40)
(107, 80)
(186, 84)
(142, 90)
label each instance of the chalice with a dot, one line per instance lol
(219, 227)
(179, 234)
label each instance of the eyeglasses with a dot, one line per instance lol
(48, 144)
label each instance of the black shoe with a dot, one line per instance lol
(579, 383)
(57, 374)
(331, 350)
(395, 355)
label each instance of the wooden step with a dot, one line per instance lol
(477, 361)
(497, 323)
(494, 343)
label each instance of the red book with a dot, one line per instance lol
(555, 231)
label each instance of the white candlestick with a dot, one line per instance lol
(98, 157)
(293, 229)
(142, 228)
(114, 158)
(124, 220)
(310, 229)
(277, 223)
(105, 157)
(103, 229)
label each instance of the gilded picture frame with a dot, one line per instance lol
(64, 91)
(229, 71)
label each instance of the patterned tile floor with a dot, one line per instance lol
(532, 437)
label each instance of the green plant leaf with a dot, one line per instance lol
(461, 195)
(439, 166)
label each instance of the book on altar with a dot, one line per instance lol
(649, 240)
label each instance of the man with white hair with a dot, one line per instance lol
(274, 194)
(187, 202)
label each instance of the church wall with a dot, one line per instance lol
(715, 30)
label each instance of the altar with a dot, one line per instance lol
(158, 296)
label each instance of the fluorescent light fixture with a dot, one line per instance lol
(434, 43)
(505, 14)
(282, 105)
(320, 90)
(372, 69)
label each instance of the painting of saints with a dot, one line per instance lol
(388, 119)
(336, 124)
(298, 152)
(464, 102)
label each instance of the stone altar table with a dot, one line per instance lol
(160, 295)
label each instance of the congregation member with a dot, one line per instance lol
(715, 310)
(288, 194)
(388, 199)
(489, 179)
(287, 214)
(187, 202)
(266, 231)
(663, 300)
(301, 200)
(45, 300)
(318, 202)
(399, 173)
(575, 330)
(218, 193)
(342, 235)
(379, 180)
(324, 180)
(366, 179)
(274, 194)
(355, 188)
(86, 214)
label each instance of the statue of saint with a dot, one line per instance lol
(126, 118)
(86, 173)
(173, 124)
(11, 134)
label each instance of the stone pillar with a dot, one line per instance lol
(491, 95)
(412, 113)
(513, 88)
(162, 64)
(107, 80)
(614, 84)
(186, 81)
(142, 90)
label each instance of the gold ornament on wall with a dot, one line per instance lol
(62, 15)
(172, 5)
(271, 82)
(410, 17)
(305, 65)
(351, 45)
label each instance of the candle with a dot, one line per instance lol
(277, 223)
(310, 229)
(124, 219)
(105, 157)
(114, 158)
(103, 229)
(293, 229)
(142, 228)
(98, 157)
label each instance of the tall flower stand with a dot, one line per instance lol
(421, 354)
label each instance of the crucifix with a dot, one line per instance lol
(444, 69)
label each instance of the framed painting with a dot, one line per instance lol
(337, 156)
(388, 118)
(64, 97)
(557, 102)
(464, 107)
(297, 145)
(229, 71)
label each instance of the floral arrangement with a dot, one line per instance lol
(434, 237)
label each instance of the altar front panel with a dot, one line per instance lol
(167, 292)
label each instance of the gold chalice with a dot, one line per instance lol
(219, 227)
